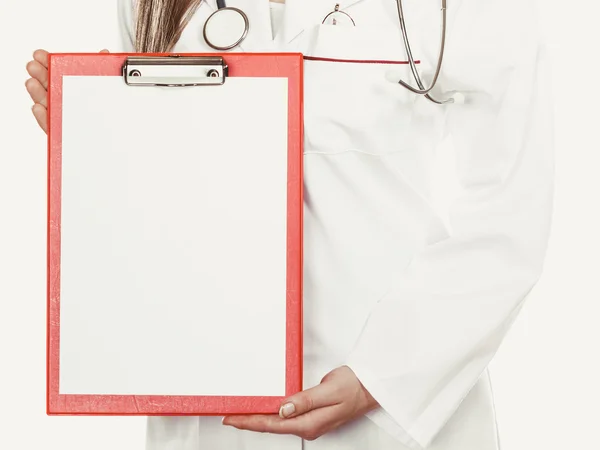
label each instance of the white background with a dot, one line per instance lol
(546, 375)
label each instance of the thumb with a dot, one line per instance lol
(104, 51)
(317, 397)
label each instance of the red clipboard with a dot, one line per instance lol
(89, 403)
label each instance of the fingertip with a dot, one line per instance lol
(30, 85)
(40, 114)
(29, 66)
(39, 54)
(287, 410)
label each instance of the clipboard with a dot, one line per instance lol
(174, 233)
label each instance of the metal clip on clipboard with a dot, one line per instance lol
(174, 70)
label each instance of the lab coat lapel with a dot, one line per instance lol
(295, 19)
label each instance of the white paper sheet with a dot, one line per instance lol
(173, 270)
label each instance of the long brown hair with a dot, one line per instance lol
(159, 23)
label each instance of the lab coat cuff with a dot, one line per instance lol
(388, 415)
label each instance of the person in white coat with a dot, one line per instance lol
(403, 311)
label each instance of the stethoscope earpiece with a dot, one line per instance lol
(459, 98)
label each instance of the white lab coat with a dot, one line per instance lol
(415, 307)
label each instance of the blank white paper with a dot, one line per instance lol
(173, 244)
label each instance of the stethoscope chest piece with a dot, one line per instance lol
(226, 28)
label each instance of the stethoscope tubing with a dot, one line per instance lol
(422, 90)
(419, 90)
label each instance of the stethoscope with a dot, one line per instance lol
(227, 28)
(456, 98)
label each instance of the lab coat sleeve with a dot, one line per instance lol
(428, 340)
(125, 11)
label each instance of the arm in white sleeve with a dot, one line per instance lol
(426, 343)
(125, 11)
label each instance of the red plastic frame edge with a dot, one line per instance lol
(289, 65)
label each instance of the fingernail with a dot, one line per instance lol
(287, 410)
